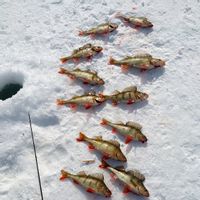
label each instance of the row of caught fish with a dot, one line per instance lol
(141, 61)
(129, 95)
(132, 179)
(105, 28)
(94, 183)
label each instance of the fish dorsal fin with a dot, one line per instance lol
(115, 142)
(116, 92)
(98, 137)
(103, 24)
(143, 55)
(76, 96)
(81, 48)
(137, 174)
(119, 122)
(130, 88)
(120, 168)
(128, 57)
(91, 71)
(77, 70)
(75, 51)
(97, 175)
(81, 173)
(86, 46)
(134, 125)
(91, 93)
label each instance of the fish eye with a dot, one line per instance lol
(97, 48)
(98, 101)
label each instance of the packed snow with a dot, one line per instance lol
(35, 34)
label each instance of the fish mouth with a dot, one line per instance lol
(146, 193)
(123, 159)
(101, 82)
(108, 194)
(143, 191)
(143, 139)
(144, 96)
(150, 25)
(158, 63)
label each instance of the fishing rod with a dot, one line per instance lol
(36, 160)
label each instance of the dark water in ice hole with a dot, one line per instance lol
(9, 90)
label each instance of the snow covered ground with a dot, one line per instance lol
(35, 34)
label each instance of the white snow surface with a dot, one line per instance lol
(34, 34)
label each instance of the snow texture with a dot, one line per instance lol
(35, 34)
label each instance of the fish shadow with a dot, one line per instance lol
(97, 56)
(118, 184)
(149, 75)
(135, 145)
(99, 157)
(45, 120)
(87, 87)
(152, 75)
(106, 38)
(132, 107)
(83, 60)
(145, 31)
(88, 195)
(91, 111)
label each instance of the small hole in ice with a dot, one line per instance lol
(9, 90)
(10, 84)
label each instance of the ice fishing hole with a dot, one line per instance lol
(10, 84)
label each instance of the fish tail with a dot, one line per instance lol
(112, 61)
(104, 121)
(121, 16)
(81, 33)
(64, 174)
(61, 102)
(63, 71)
(65, 59)
(82, 137)
(104, 164)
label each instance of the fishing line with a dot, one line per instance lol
(36, 161)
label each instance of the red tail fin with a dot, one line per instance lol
(104, 164)
(64, 175)
(62, 71)
(64, 59)
(111, 61)
(104, 122)
(81, 137)
(81, 33)
(60, 102)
